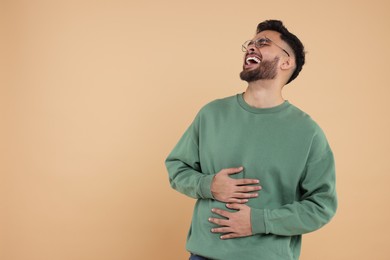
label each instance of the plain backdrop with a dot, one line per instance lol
(95, 94)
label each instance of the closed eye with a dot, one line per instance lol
(262, 42)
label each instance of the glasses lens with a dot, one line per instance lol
(262, 42)
(244, 47)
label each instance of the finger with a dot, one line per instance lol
(236, 206)
(221, 212)
(248, 188)
(221, 230)
(230, 171)
(236, 200)
(219, 222)
(245, 195)
(247, 181)
(229, 236)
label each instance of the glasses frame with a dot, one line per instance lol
(259, 43)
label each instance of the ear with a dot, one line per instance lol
(287, 63)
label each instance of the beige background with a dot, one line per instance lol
(94, 95)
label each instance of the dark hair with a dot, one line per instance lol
(290, 39)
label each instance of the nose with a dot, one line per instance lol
(251, 48)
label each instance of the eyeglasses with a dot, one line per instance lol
(259, 43)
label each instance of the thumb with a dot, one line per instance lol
(230, 171)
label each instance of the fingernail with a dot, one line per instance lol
(212, 210)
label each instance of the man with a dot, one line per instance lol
(261, 169)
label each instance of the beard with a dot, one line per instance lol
(266, 70)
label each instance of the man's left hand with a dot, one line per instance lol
(234, 224)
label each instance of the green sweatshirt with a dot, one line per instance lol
(283, 148)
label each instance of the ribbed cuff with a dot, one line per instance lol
(258, 221)
(205, 186)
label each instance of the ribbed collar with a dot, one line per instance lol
(244, 105)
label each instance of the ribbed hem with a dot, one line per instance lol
(258, 221)
(205, 186)
(244, 105)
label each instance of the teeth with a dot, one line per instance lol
(255, 59)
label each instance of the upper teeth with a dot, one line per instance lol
(257, 60)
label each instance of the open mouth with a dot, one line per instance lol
(252, 60)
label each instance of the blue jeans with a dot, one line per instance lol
(197, 257)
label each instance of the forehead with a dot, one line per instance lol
(272, 35)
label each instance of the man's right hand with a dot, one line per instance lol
(229, 190)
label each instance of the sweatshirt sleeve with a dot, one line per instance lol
(184, 169)
(318, 201)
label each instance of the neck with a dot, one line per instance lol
(264, 94)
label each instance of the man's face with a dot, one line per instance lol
(261, 62)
